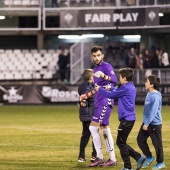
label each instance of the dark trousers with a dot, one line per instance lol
(155, 133)
(62, 73)
(85, 139)
(126, 151)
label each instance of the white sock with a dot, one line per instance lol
(109, 143)
(96, 140)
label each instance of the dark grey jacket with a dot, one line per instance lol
(86, 113)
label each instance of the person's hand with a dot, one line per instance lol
(83, 97)
(83, 104)
(145, 127)
(107, 87)
(97, 87)
(99, 74)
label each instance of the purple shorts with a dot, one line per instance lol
(102, 115)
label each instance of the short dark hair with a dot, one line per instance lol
(96, 48)
(155, 80)
(87, 74)
(127, 72)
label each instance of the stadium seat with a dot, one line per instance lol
(51, 51)
(35, 2)
(3, 66)
(18, 76)
(7, 2)
(17, 51)
(43, 51)
(20, 55)
(48, 75)
(37, 75)
(27, 75)
(34, 51)
(2, 51)
(17, 2)
(8, 51)
(2, 76)
(23, 64)
(26, 2)
(9, 75)
(25, 51)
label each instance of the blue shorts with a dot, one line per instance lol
(102, 115)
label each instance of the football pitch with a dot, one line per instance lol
(48, 137)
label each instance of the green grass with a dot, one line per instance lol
(47, 137)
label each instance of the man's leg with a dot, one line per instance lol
(94, 129)
(109, 143)
(94, 154)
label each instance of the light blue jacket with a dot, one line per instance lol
(152, 109)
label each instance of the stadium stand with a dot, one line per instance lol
(28, 64)
(42, 63)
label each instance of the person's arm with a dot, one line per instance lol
(116, 93)
(83, 103)
(109, 74)
(91, 93)
(87, 95)
(152, 112)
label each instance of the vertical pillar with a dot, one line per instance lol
(40, 40)
(143, 41)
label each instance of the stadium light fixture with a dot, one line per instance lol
(131, 36)
(2, 17)
(84, 36)
(92, 35)
(161, 14)
(68, 37)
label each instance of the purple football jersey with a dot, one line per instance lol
(107, 69)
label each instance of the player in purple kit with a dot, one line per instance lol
(103, 76)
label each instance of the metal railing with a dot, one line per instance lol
(103, 3)
(141, 75)
(80, 3)
(20, 3)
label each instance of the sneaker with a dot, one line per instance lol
(140, 162)
(81, 160)
(126, 169)
(109, 163)
(96, 162)
(92, 159)
(159, 166)
(148, 161)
